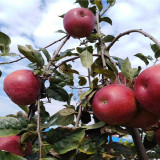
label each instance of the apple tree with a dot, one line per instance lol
(113, 99)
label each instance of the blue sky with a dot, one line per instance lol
(35, 22)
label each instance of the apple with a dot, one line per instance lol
(147, 89)
(157, 136)
(12, 144)
(114, 104)
(22, 86)
(79, 22)
(143, 119)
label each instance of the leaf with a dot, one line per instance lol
(108, 38)
(5, 41)
(98, 4)
(126, 69)
(9, 156)
(111, 66)
(8, 132)
(58, 93)
(83, 3)
(63, 117)
(48, 159)
(60, 31)
(65, 139)
(43, 113)
(39, 57)
(111, 2)
(82, 81)
(156, 50)
(46, 53)
(142, 57)
(120, 61)
(0, 73)
(9, 54)
(94, 126)
(86, 59)
(107, 73)
(28, 53)
(24, 108)
(106, 19)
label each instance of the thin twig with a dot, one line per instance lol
(38, 129)
(79, 115)
(131, 31)
(89, 76)
(54, 42)
(105, 10)
(57, 51)
(13, 61)
(78, 87)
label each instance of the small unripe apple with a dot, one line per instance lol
(22, 87)
(147, 89)
(12, 144)
(79, 22)
(114, 104)
(143, 119)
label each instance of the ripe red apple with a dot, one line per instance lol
(22, 86)
(143, 119)
(79, 22)
(147, 89)
(157, 136)
(114, 104)
(12, 144)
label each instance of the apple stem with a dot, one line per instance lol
(38, 130)
(138, 143)
(131, 31)
(57, 51)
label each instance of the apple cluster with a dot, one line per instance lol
(117, 104)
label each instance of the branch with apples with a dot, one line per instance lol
(113, 99)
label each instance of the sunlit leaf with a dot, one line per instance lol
(86, 59)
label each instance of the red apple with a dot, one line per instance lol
(143, 119)
(114, 104)
(147, 89)
(157, 136)
(12, 144)
(79, 22)
(22, 86)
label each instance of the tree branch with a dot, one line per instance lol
(79, 115)
(57, 51)
(131, 31)
(12, 61)
(138, 143)
(55, 42)
(38, 129)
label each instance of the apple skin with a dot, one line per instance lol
(79, 22)
(143, 119)
(157, 136)
(12, 144)
(22, 87)
(147, 89)
(114, 104)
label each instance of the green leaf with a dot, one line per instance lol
(5, 41)
(142, 57)
(86, 59)
(46, 53)
(65, 139)
(120, 61)
(82, 81)
(107, 73)
(0, 73)
(126, 69)
(24, 108)
(110, 65)
(94, 126)
(88, 146)
(8, 132)
(106, 19)
(61, 31)
(111, 2)
(96, 64)
(39, 57)
(28, 53)
(156, 50)
(83, 3)
(9, 54)
(93, 9)
(48, 159)
(43, 113)
(58, 93)
(98, 4)
(108, 38)
(9, 156)
(63, 117)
